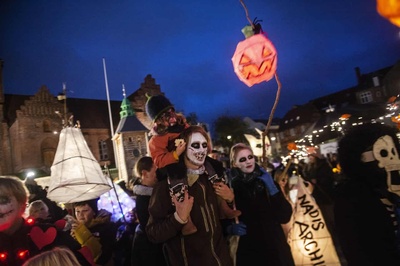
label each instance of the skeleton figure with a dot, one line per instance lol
(385, 152)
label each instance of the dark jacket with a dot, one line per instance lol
(29, 243)
(144, 252)
(323, 174)
(103, 232)
(123, 243)
(265, 242)
(205, 247)
(364, 226)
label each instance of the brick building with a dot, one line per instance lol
(30, 127)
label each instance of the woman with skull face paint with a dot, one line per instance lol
(21, 239)
(199, 200)
(264, 208)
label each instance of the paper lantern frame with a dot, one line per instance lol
(255, 60)
(75, 174)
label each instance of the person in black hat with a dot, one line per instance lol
(167, 125)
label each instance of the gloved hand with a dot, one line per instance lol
(238, 229)
(269, 182)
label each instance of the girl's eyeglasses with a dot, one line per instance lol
(243, 159)
(166, 115)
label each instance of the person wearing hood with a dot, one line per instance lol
(367, 202)
(93, 228)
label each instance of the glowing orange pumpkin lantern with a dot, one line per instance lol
(392, 99)
(292, 146)
(389, 9)
(345, 117)
(255, 59)
(396, 119)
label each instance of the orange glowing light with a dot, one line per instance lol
(389, 9)
(255, 60)
(292, 146)
(345, 116)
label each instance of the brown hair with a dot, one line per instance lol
(188, 132)
(144, 163)
(56, 256)
(235, 149)
(91, 203)
(12, 186)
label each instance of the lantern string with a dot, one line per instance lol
(247, 13)
(278, 93)
(271, 115)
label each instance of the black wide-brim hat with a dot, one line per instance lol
(156, 105)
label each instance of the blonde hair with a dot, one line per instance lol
(56, 256)
(35, 206)
(236, 149)
(12, 186)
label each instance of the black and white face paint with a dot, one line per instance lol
(197, 149)
(385, 152)
(9, 211)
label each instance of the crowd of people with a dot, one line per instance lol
(195, 208)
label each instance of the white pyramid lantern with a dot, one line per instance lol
(75, 174)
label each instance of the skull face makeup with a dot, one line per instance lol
(196, 151)
(245, 161)
(10, 211)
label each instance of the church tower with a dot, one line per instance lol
(130, 140)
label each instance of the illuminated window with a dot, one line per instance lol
(366, 97)
(103, 150)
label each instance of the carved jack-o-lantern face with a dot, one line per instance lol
(255, 60)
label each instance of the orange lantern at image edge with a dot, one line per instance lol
(255, 59)
(389, 9)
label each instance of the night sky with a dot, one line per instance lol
(187, 47)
